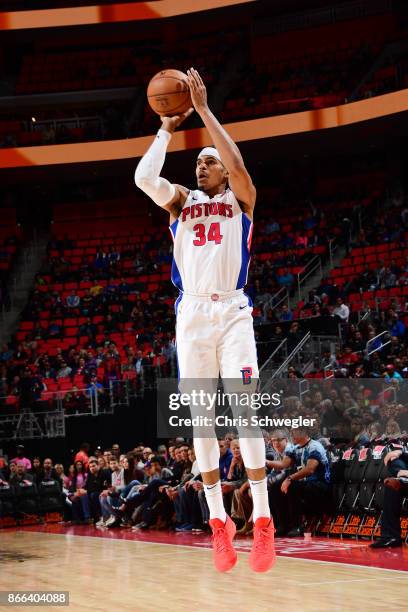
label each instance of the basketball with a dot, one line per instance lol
(168, 93)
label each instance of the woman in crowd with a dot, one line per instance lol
(59, 468)
(102, 463)
(78, 496)
(392, 430)
(36, 467)
(68, 479)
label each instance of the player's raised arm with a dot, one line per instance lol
(238, 176)
(147, 175)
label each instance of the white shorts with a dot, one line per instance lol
(215, 336)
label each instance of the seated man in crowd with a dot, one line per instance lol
(109, 497)
(95, 484)
(20, 475)
(280, 445)
(396, 488)
(307, 489)
(47, 473)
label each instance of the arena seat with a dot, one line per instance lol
(371, 489)
(7, 510)
(50, 496)
(26, 500)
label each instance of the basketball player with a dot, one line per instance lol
(212, 229)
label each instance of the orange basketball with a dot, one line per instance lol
(168, 93)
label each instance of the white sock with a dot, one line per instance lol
(213, 495)
(260, 498)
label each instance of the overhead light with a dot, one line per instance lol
(33, 119)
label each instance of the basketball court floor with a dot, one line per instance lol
(149, 571)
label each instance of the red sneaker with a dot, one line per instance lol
(262, 556)
(224, 554)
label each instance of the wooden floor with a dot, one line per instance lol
(114, 575)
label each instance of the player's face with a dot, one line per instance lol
(210, 173)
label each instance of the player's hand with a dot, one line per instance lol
(171, 123)
(198, 90)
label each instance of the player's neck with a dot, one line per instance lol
(215, 190)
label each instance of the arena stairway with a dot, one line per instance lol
(314, 280)
(27, 266)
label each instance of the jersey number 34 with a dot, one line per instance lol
(214, 234)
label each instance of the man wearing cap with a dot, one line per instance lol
(392, 374)
(21, 459)
(211, 228)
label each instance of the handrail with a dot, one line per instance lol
(364, 317)
(303, 382)
(292, 354)
(284, 341)
(288, 359)
(272, 304)
(316, 262)
(332, 250)
(376, 338)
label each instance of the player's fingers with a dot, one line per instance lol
(192, 84)
(193, 74)
(199, 79)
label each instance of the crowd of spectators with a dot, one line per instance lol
(124, 331)
(162, 489)
(118, 301)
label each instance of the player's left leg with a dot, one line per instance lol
(198, 369)
(237, 357)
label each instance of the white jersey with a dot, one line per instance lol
(212, 240)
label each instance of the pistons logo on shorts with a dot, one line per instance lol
(246, 375)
